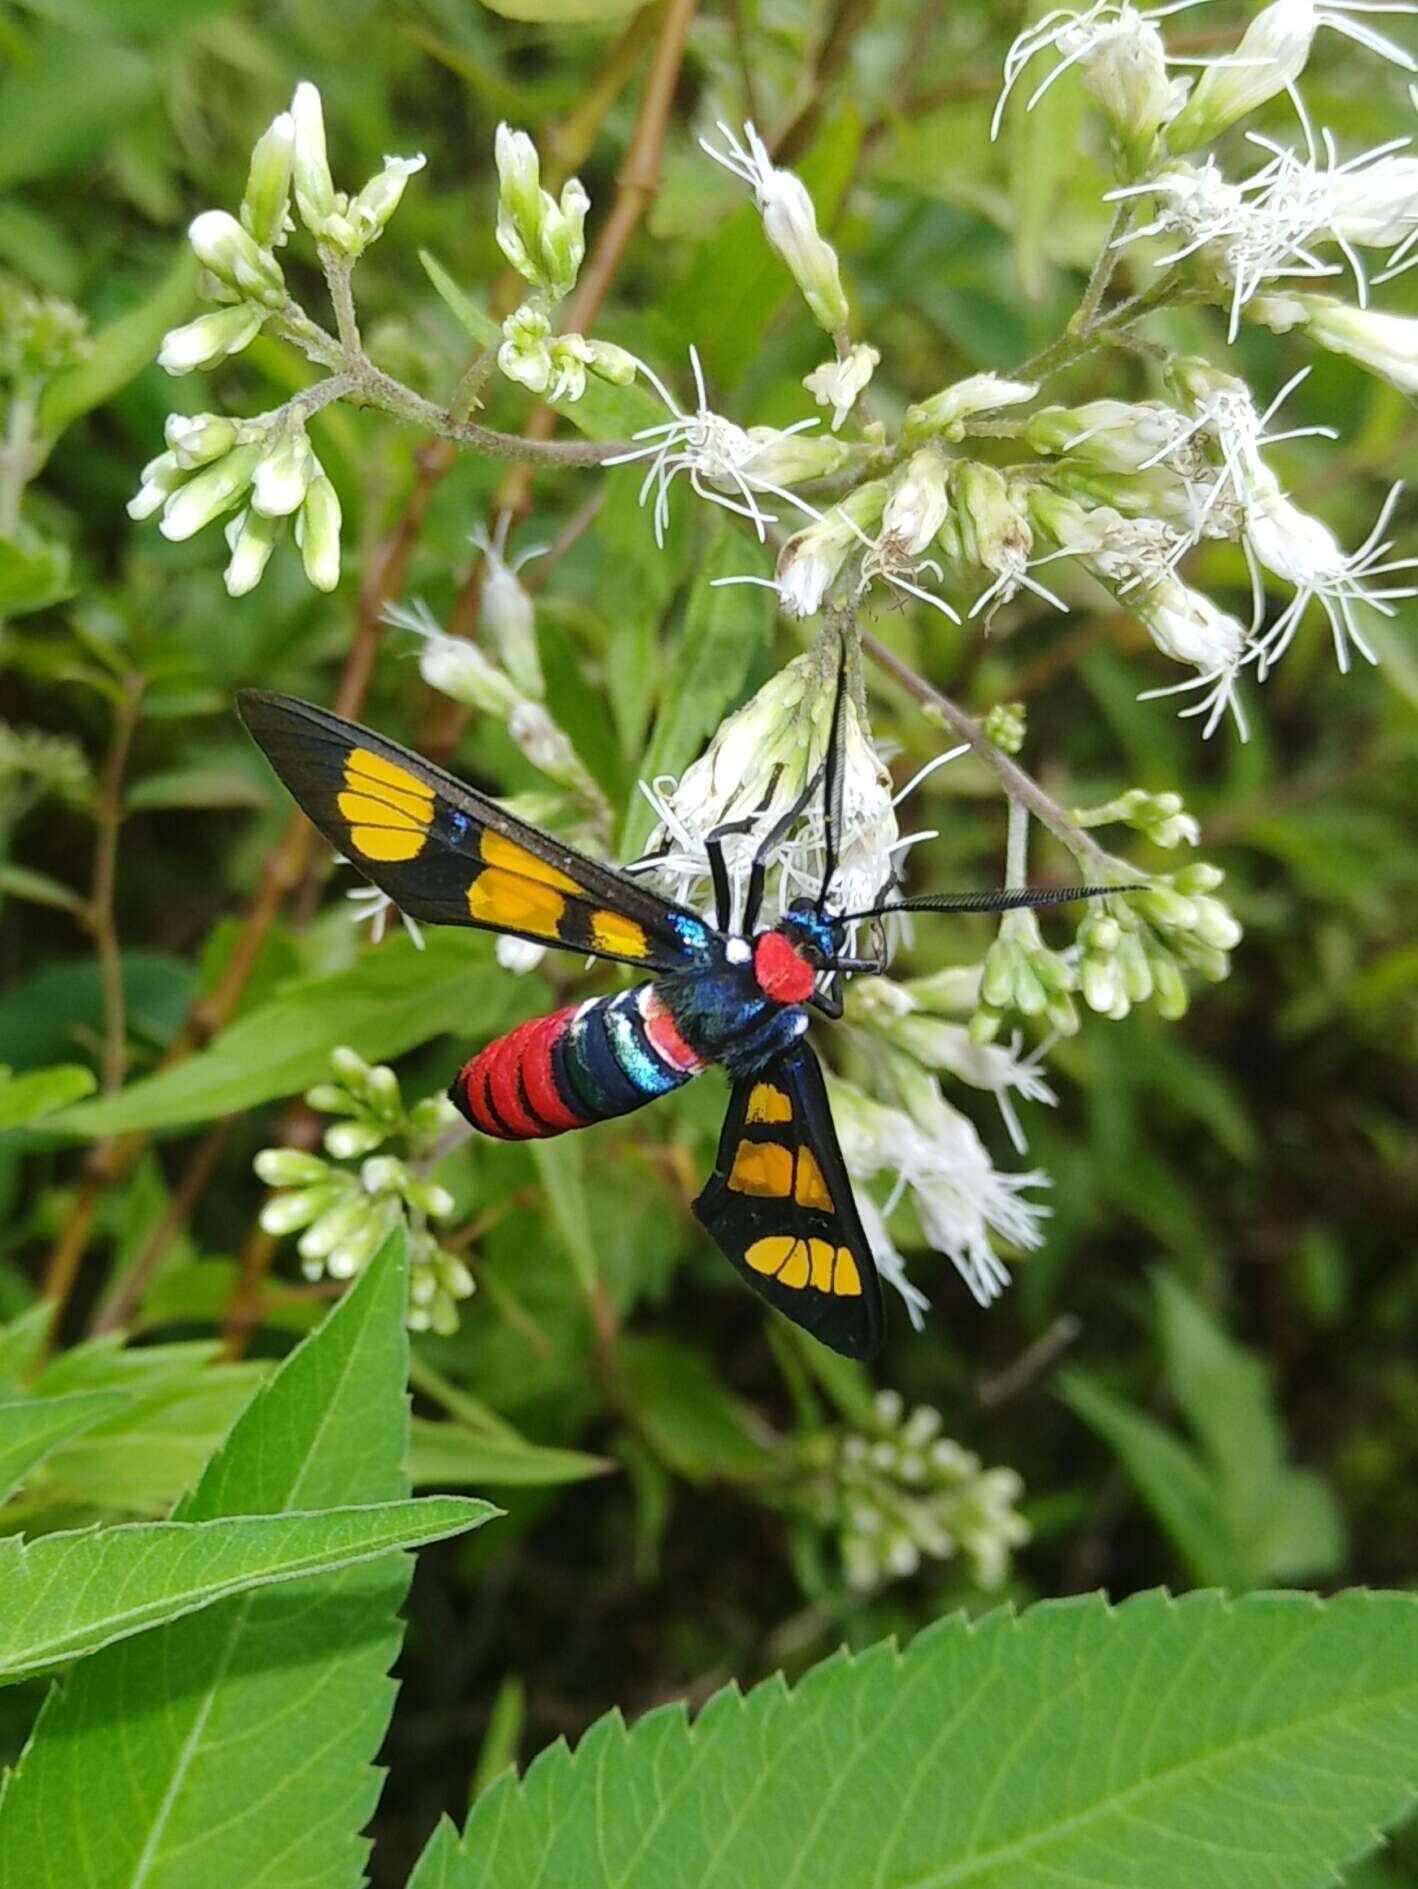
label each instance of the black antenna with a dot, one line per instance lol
(1007, 899)
(832, 782)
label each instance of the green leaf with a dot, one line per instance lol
(453, 1455)
(19, 882)
(25, 1098)
(121, 350)
(563, 12)
(475, 324)
(561, 1166)
(32, 1426)
(393, 998)
(67, 97)
(1166, 1743)
(193, 787)
(724, 628)
(69, 1594)
(21, 1342)
(250, 1728)
(1170, 1478)
(686, 1413)
(34, 573)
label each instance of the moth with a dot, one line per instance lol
(779, 1202)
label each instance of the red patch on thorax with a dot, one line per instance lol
(781, 973)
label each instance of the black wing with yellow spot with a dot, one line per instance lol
(448, 855)
(780, 1204)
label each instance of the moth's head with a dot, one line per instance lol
(787, 959)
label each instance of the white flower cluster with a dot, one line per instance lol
(900, 1491)
(344, 1216)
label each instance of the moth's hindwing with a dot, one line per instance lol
(448, 855)
(780, 1205)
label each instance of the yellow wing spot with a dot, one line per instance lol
(362, 809)
(823, 1254)
(811, 1188)
(499, 851)
(769, 1254)
(795, 1273)
(367, 770)
(512, 903)
(846, 1280)
(762, 1168)
(612, 932)
(767, 1104)
(386, 845)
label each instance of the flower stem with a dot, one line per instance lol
(1020, 787)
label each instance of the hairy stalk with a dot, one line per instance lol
(1020, 787)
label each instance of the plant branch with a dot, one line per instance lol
(1020, 787)
(99, 912)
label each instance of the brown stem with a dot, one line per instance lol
(114, 1312)
(99, 916)
(1022, 788)
(636, 187)
(847, 21)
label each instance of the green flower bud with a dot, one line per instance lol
(333, 1228)
(289, 1167)
(310, 167)
(617, 365)
(347, 1141)
(943, 416)
(350, 1069)
(371, 209)
(283, 1213)
(1006, 724)
(543, 241)
(160, 478)
(209, 493)
(317, 532)
(265, 206)
(209, 339)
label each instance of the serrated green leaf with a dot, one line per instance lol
(26, 1098)
(392, 999)
(1163, 1743)
(250, 1728)
(724, 628)
(71, 1594)
(31, 1427)
(451, 1455)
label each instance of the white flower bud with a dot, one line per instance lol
(840, 384)
(790, 224)
(918, 504)
(371, 209)
(545, 745)
(519, 955)
(265, 206)
(210, 493)
(1188, 627)
(783, 458)
(209, 339)
(811, 559)
(317, 532)
(944, 413)
(251, 539)
(310, 167)
(234, 257)
(160, 479)
(1385, 344)
(569, 354)
(459, 669)
(283, 475)
(525, 354)
(289, 1167)
(543, 240)
(197, 439)
(608, 362)
(510, 619)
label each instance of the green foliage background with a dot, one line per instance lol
(1233, 1197)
